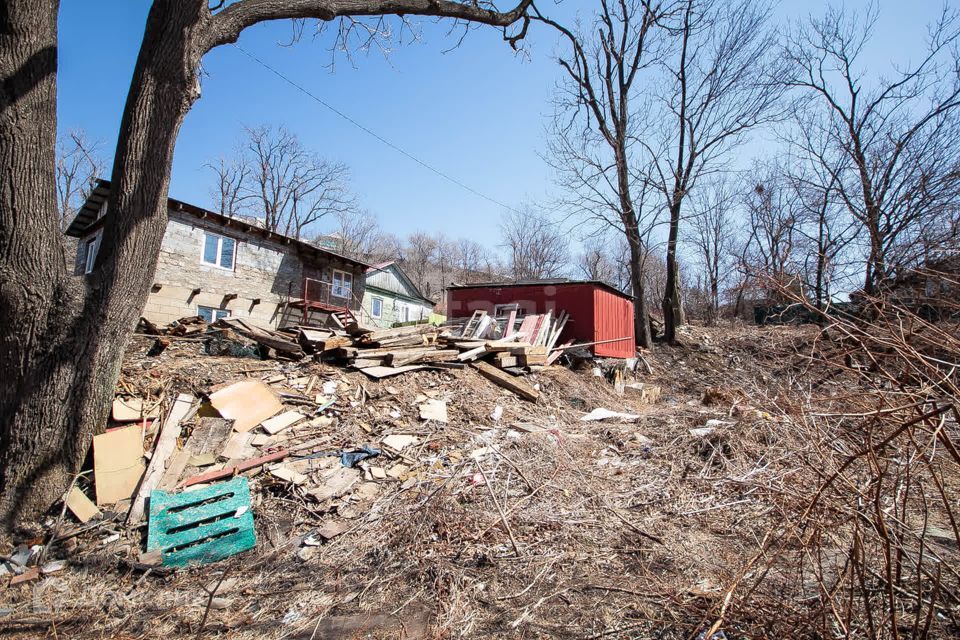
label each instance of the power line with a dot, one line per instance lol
(372, 133)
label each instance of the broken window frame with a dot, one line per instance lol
(376, 307)
(343, 289)
(91, 249)
(218, 260)
(216, 313)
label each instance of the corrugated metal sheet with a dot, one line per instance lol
(596, 313)
(613, 318)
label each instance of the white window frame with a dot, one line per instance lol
(345, 277)
(373, 305)
(90, 257)
(220, 238)
(216, 312)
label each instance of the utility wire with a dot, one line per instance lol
(372, 133)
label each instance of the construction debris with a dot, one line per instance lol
(118, 463)
(247, 403)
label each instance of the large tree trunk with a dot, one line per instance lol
(641, 315)
(64, 334)
(672, 310)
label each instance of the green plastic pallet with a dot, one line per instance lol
(198, 527)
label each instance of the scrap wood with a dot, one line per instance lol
(240, 467)
(248, 403)
(278, 423)
(516, 385)
(117, 463)
(80, 505)
(166, 445)
(385, 372)
(270, 339)
(398, 359)
(558, 351)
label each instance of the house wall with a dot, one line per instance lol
(265, 269)
(392, 308)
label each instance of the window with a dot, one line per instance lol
(503, 310)
(91, 247)
(342, 284)
(218, 250)
(212, 314)
(376, 307)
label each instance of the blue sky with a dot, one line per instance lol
(476, 112)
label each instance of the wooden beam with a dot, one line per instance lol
(505, 380)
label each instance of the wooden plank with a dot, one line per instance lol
(240, 467)
(431, 355)
(511, 320)
(505, 345)
(532, 359)
(385, 372)
(516, 385)
(556, 353)
(166, 445)
(472, 353)
(506, 360)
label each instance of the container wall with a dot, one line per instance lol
(613, 319)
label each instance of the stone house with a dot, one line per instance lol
(390, 297)
(215, 266)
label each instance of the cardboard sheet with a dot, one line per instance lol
(117, 463)
(276, 424)
(247, 403)
(81, 506)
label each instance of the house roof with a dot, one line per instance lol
(402, 276)
(553, 282)
(379, 267)
(87, 217)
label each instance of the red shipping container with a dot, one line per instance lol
(598, 312)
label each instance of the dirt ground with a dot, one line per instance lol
(536, 524)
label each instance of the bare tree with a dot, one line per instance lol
(775, 210)
(891, 149)
(419, 254)
(469, 261)
(63, 337)
(78, 165)
(717, 88)
(711, 236)
(596, 125)
(536, 246)
(294, 186)
(357, 234)
(826, 226)
(598, 261)
(231, 192)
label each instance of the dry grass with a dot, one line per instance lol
(765, 527)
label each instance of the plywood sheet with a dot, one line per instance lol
(247, 403)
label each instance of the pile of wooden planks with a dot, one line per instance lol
(532, 344)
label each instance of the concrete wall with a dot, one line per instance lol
(264, 269)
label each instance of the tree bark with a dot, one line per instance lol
(64, 335)
(641, 315)
(672, 314)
